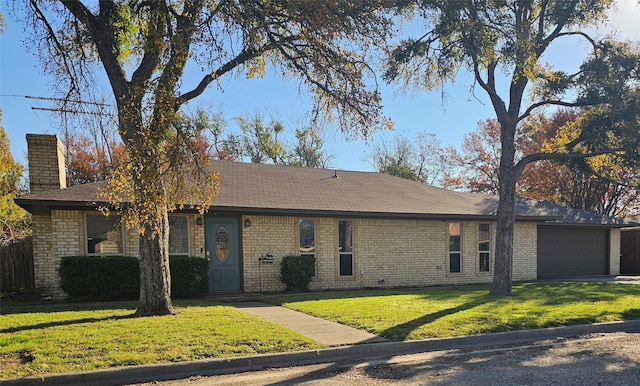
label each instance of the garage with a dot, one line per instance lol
(572, 251)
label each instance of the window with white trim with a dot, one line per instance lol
(103, 235)
(345, 247)
(455, 247)
(307, 240)
(484, 247)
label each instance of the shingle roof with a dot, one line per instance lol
(257, 188)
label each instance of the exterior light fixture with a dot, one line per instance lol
(199, 221)
(247, 223)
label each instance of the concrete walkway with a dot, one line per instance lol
(320, 330)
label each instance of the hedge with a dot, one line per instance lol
(296, 272)
(118, 277)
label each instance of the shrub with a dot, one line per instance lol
(118, 277)
(189, 276)
(100, 277)
(296, 272)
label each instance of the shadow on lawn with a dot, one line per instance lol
(400, 332)
(64, 323)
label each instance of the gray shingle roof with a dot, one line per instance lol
(256, 188)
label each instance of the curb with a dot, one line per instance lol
(210, 367)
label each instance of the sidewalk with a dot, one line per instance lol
(320, 330)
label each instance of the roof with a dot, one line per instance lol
(259, 188)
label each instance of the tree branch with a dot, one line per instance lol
(519, 167)
(241, 58)
(551, 102)
(100, 29)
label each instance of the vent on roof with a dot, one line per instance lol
(335, 174)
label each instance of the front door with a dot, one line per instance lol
(223, 251)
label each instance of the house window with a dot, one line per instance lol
(103, 235)
(178, 235)
(307, 230)
(345, 247)
(484, 245)
(455, 252)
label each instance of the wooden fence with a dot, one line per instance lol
(16, 267)
(630, 252)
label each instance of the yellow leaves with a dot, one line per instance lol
(255, 69)
(126, 30)
(566, 134)
(142, 193)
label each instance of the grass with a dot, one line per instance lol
(455, 311)
(37, 340)
(50, 338)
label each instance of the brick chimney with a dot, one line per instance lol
(46, 163)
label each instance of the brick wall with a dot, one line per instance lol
(46, 163)
(387, 253)
(614, 251)
(61, 233)
(525, 251)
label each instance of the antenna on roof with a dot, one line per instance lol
(335, 173)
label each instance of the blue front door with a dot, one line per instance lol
(223, 251)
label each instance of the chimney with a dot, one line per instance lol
(46, 163)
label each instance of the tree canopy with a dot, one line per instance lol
(604, 184)
(419, 159)
(143, 48)
(505, 42)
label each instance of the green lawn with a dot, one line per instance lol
(454, 311)
(63, 337)
(52, 338)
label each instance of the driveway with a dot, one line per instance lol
(602, 279)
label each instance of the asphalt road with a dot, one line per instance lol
(596, 359)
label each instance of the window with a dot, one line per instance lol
(103, 234)
(178, 235)
(345, 247)
(484, 247)
(454, 247)
(307, 230)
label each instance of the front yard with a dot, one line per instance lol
(54, 338)
(453, 311)
(64, 337)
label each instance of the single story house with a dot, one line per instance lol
(365, 229)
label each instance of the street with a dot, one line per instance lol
(598, 359)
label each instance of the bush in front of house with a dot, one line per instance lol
(118, 277)
(296, 272)
(100, 277)
(189, 276)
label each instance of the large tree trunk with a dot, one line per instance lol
(155, 277)
(507, 175)
(150, 211)
(502, 276)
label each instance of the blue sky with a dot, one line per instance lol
(448, 119)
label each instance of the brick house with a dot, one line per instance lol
(365, 229)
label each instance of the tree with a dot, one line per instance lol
(475, 168)
(604, 184)
(260, 140)
(15, 222)
(509, 38)
(143, 47)
(419, 159)
(308, 151)
(601, 184)
(89, 160)
(263, 142)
